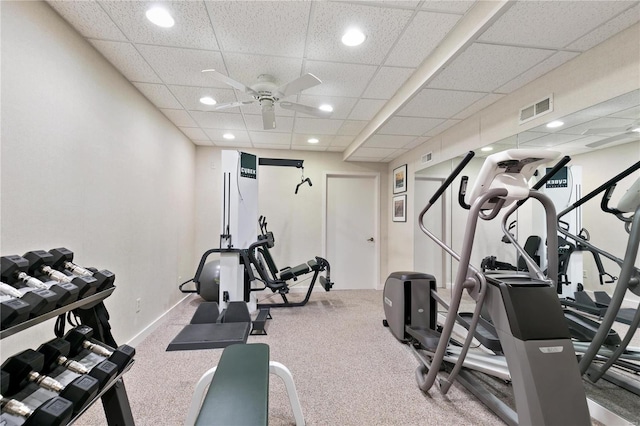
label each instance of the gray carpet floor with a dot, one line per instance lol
(348, 370)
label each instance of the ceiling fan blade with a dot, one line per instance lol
(232, 105)
(305, 109)
(601, 130)
(627, 135)
(268, 117)
(231, 82)
(298, 85)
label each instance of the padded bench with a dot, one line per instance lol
(238, 389)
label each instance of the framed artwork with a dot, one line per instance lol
(400, 179)
(400, 208)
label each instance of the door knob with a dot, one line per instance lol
(370, 239)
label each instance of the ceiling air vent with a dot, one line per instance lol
(426, 158)
(541, 107)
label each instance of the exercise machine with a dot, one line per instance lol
(523, 307)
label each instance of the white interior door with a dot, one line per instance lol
(351, 230)
(428, 257)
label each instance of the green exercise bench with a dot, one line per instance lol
(238, 389)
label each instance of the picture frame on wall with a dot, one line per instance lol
(399, 208)
(400, 179)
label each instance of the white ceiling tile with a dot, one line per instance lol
(270, 137)
(265, 27)
(317, 126)
(184, 66)
(442, 127)
(341, 141)
(416, 143)
(303, 140)
(397, 3)
(366, 109)
(363, 159)
(246, 68)
(615, 105)
(216, 136)
(179, 117)
(310, 148)
(283, 124)
(89, 19)
(552, 24)
(159, 95)
(192, 26)
(268, 146)
(414, 46)
(600, 123)
(410, 126)
(388, 141)
(633, 112)
(233, 144)
(352, 127)
(195, 133)
(439, 103)
(348, 80)
(395, 154)
(549, 64)
(485, 67)
(190, 96)
(330, 20)
(341, 106)
(552, 139)
(127, 60)
(456, 6)
(479, 105)
(602, 33)
(218, 120)
(386, 82)
(525, 137)
(374, 152)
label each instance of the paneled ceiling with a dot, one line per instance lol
(379, 111)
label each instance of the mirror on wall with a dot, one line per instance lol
(602, 141)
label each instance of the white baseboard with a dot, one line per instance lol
(138, 338)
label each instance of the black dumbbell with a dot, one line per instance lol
(40, 264)
(13, 310)
(55, 412)
(40, 301)
(26, 366)
(14, 271)
(56, 352)
(63, 259)
(79, 339)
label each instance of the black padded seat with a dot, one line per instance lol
(410, 276)
(290, 273)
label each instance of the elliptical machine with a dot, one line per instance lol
(523, 306)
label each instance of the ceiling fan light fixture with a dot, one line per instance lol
(229, 136)
(313, 140)
(353, 37)
(325, 108)
(207, 100)
(555, 124)
(160, 16)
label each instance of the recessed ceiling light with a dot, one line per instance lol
(208, 100)
(353, 37)
(487, 149)
(325, 107)
(555, 124)
(313, 140)
(637, 130)
(160, 16)
(228, 136)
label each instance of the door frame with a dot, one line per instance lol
(376, 215)
(445, 233)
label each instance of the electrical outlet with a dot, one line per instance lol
(138, 304)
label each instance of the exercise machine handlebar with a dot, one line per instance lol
(467, 158)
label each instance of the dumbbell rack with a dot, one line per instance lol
(114, 396)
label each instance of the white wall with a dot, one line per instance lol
(88, 163)
(295, 219)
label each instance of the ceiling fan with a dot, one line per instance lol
(626, 132)
(267, 94)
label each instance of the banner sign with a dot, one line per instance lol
(248, 165)
(559, 180)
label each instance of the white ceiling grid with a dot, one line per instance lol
(244, 39)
